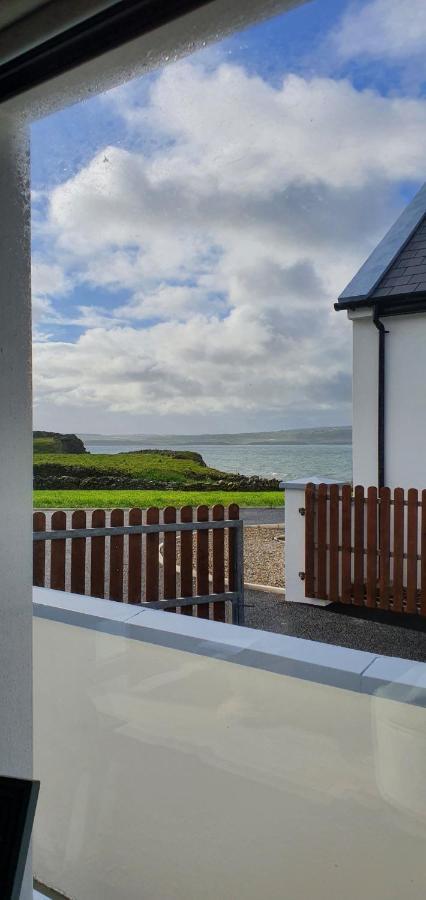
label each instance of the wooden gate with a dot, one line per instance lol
(366, 549)
(159, 558)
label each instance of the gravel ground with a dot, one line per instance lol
(380, 633)
(263, 555)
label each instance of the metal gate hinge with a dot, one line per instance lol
(302, 576)
(302, 510)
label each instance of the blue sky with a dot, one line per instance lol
(192, 229)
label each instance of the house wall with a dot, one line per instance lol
(175, 774)
(405, 400)
(364, 398)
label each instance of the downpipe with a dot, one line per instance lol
(380, 399)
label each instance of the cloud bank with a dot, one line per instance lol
(220, 238)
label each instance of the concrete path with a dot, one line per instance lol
(387, 634)
(258, 515)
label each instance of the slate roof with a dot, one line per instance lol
(407, 274)
(397, 266)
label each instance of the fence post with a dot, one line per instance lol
(294, 545)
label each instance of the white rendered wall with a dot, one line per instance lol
(364, 398)
(405, 401)
(15, 461)
(168, 775)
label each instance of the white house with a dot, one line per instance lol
(386, 302)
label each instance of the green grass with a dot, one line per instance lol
(47, 445)
(151, 466)
(127, 499)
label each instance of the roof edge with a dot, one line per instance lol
(397, 305)
(384, 255)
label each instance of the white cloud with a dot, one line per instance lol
(202, 365)
(231, 240)
(382, 29)
(48, 279)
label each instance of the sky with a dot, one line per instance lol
(193, 228)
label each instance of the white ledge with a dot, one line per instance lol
(355, 670)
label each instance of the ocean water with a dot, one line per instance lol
(270, 461)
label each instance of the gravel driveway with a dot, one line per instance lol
(386, 634)
(258, 515)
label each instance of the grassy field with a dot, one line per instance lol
(127, 499)
(46, 445)
(153, 466)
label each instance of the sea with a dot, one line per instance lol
(283, 461)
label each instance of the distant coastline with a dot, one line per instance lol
(334, 435)
(282, 454)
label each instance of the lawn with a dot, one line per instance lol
(127, 499)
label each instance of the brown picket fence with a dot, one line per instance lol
(366, 548)
(185, 560)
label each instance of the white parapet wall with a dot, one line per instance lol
(182, 759)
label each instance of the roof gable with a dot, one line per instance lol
(370, 277)
(407, 275)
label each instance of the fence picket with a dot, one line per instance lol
(151, 557)
(97, 556)
(39, 551)
(78, 554)
(218, 514)
(57, 553)
(371, 547)
(359, 590)
(116, 558)
(333, 556)
(346, 543)
(186, 561)
(384, 558)
(412, 531)
(203, 610)
(322, 541)
(134, 585)
(169, 557)
(422, 604)
(310, 497)
(398, 549)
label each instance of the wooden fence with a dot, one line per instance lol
(116, 556)
(366, 549)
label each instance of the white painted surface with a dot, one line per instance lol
(294, 548)
(364, 400)
(171, 775)
(15, 462)
(311, 660)
(405, 405)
